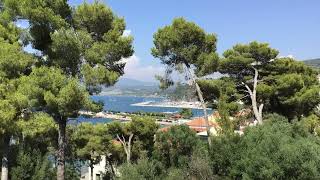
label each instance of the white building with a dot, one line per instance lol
(98, 170)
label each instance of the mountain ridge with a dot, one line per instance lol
(313, 62)
(128, 82)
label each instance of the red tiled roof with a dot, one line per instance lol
(216, 114)
(199, 124)
(116, 142)
(164, 129)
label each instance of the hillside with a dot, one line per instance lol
(313, 62)
(132, 87)
(126, 86)
(126, 82)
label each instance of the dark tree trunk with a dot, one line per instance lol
(61, 150)
(91, 171)
(4, 165)
(109, 163)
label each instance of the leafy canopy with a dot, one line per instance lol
(183, 45)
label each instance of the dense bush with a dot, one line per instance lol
(174, 147)
(274, 150)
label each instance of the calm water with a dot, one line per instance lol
(123, 104)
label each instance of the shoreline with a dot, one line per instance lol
(182, 104)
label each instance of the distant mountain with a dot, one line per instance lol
(126, 82)
(313, 62)
(127, 86)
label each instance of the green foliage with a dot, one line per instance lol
(184, 45)
(32, 165)
(174, 147)
(311, 124)
(181, 91)
(223, 95)
(200, 166)
(50, 89)
(109, 46)
(39, 124)
(91, 141)
(224, 110)
(274, 150)
(89, 18)
(8, 34)
(286, 86)
(80, 50)
(226, 88)
(223, 153)
(143, 169)
(237, 61)
(7, 116)
(13, 61)
(143, 129)
(45, 17)
(186, 113)
(67, 47)
(290, 88)
(66, 38)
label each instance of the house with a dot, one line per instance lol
(98, 170)
(200, 126)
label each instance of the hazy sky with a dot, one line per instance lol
(291, 26)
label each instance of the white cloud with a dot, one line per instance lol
(287, 56)
(126, 33)
(135, 70)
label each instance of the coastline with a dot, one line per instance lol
(171, 104)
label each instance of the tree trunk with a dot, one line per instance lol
(91, 171)
(126, 146)
(61, 150)
(109, 163)
(203, 104)
(5, 164)
(253, 96)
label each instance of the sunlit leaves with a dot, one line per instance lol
(67, 48)
(185, 43)
(13, 61)
(39, 124)
(95, 18)
(50, 90)
(91, 141)
(7, 115)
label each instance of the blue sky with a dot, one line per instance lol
(291, 26)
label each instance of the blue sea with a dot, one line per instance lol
(123, 104)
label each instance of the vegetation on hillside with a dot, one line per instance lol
(313, 62)
(80, 50)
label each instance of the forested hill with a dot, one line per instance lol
(313, 62)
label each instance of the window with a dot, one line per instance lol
(98, 177)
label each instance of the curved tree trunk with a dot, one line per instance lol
(204, 107)
(126, 146)
(203, 104)
(253, 96)
(61, 150)
(5, 164)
